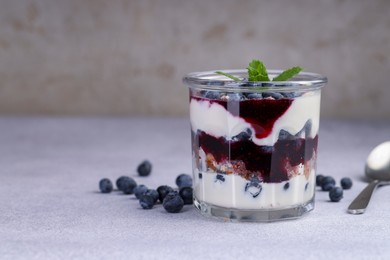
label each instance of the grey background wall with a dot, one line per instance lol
(128, 57)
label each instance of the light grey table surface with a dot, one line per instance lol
(50, 207)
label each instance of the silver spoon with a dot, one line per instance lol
(378, 170)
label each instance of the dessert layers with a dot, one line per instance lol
(255, 153)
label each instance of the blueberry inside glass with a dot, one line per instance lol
(254, 145)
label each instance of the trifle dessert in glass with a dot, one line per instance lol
(254, 144)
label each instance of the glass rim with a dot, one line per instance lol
(209, 80)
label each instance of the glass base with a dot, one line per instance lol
(260, 215)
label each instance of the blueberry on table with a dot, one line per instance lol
(346, 183)
(144, 168)
(163, 190)
(183, 180)
(140, 190)
(336, 194)
(146, 201)
(186, 194)
(319, 179)
(127, 185)
(173, 203)
(328, 183)
(153, 193)
(105, 185)
(120, 181)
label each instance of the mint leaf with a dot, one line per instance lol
(287, 74)
(257, 71)
(230, 76)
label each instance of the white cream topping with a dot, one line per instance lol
(213, 119)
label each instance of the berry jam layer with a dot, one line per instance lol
(243, 157)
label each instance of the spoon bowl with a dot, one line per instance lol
(377, 169)
(378, 163)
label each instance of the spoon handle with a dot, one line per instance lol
(359, 205)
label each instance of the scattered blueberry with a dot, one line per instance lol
(319, 179)
(274, 95)
(153, 193)
(105, 185)
(253, 187)
(327, 183)
(139, 191)
(220, 178)
(128, 185)
(286, 186)
(144, 168)
(254, 96)
(120, 181)
(146, 201)
(336, 194)
(173, 203)
(327, 186)
(163, 190)
(346, 183)
(200, 175)
(246, 135)
(186, 194)
(184, 180)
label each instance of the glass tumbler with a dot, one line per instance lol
(254, 145)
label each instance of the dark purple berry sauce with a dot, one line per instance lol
(271, 164)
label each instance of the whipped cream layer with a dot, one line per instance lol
(215, 120)
(231, 192)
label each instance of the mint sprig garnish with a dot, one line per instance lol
(288, 74)
(228, 75)
(258, 72)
